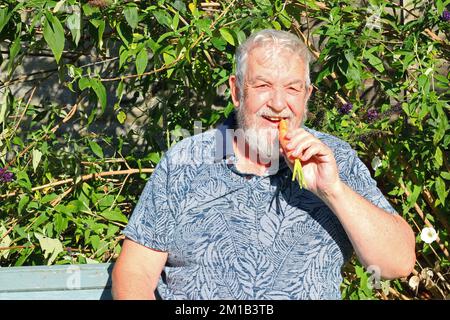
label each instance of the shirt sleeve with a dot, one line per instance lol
(151, 223)
(360, 180)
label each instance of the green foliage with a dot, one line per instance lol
(131, 75)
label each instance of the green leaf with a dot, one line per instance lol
(74, 24)
(285, 19)
(374, 61)
(141, 61)
(175, 21)
(204, 26)
(154, 157)
(54, 35)
(131, 15)
(50, 246)
(49, 197)
(37, 155)
(114, 215)
(22, 203)
(179, 6)
(121, 116)
(4, 17)
(414, 196)
(219, 43)
(61, 223)
(439, 7)
(13, 51)
(84, 83)
(168, 59)
(276, 25)
(100, 25)
(100, 91)
(445, 175)
(23, 180)
(5, 241)
(96, 149)
(125, 33)
(105, 202)
(227, 35)
(163, 18)
(440, 189)
(438, 158)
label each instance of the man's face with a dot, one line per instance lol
(274, 89)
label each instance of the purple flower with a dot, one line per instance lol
(6, 176)
(445, 15)
(372, 114)
(344, 109)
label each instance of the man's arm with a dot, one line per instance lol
(379, 238)
(137, 271)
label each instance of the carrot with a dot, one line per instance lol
(298, 170)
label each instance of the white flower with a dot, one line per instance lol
(376, 162)
(414, 282)
(428, 235)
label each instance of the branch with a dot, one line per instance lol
(83, 178)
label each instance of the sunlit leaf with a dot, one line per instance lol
(54, 35)
(51, 247)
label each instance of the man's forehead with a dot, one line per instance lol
(269, 78)
(266, 63)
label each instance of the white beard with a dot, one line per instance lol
(262, 142)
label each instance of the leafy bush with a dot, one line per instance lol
(93, 92)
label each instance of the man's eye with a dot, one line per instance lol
(294, 89)
(262, 86)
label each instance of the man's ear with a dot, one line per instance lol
(308, 92)
(232, 80)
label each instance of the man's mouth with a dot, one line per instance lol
(274, 120)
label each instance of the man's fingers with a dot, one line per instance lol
(312, 150)
(301, 144)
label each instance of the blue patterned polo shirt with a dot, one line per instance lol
(237, 236)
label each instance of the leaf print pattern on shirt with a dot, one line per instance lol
(228, 237)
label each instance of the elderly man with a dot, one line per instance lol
(221, 218)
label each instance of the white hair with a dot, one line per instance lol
(273, 39)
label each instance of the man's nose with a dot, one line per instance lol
(277, 101)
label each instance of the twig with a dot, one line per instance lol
(9, 230)
(398, 294)
(25, 77)
(83, 178)
(210, 4)
(120, 191)
(24, 111)
(56, 201)
(102, 161)
(17, 247)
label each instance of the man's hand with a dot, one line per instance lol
(319, 166)
(378, 237)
